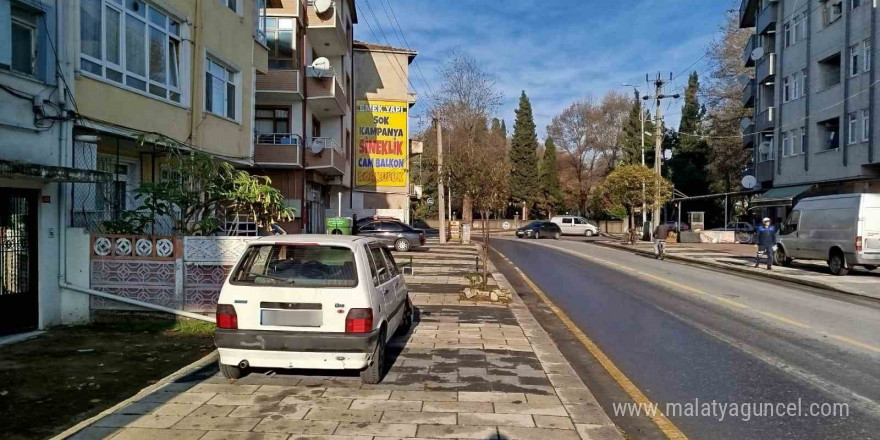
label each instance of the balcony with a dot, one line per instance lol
(325, 156)
(278, 150)
(764, 172)
(749, 137)
(747, 11)
(766, 120)
(766, 68)
(749, 94)
(326, 96)
(327, 32)
(767, 19)
(279, 86)
(748, 49)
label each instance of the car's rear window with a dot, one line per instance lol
(297, 265)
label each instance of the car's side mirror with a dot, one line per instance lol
(408, 271)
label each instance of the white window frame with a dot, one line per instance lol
(235, 81)
(795, 85)
(32, 27)
(786, 144)
(854, 60)
(798, 28)
(232, 5)
(804, 82)
(803, 140)
(170, 21)
(786, 89)
(866, 50)
(866, 125)
(852, 128)
(260, 21)
(787, 34)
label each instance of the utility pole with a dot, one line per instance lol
(658, 140)
(440, 192)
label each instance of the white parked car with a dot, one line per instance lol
(314, 302)
(574, 225)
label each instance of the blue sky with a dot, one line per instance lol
(555, 50)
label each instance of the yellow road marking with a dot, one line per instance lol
(666, 426)
(854, 342)
(783, 319)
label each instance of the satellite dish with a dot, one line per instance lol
(758, 53)
(744, 123)
(749, 182)
(321, 64)
(317, 145)
(667, 154)
(322, 6)
(764, 148)
(742, 79)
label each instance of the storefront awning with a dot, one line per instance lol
(24, 170)
(780, 196)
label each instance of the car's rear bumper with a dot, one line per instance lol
(300, 342)
(294, 359)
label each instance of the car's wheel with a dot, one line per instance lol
(588, 233)
(407, 321)
(230, 371)
(556, 236)
(402, 245)
(781, 258)
(869, 267)
(373, 373)
(537, 235)
(837, 264)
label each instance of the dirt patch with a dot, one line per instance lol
(66, 375)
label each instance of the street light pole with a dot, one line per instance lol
(642, 118)
(440, 192)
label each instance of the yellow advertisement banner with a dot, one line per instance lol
(381, 140)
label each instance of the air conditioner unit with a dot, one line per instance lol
(335, 180)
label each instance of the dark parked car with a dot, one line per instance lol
(673, 226)
(539, 229)
(392, 233)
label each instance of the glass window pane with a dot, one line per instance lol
(157, 55)
(112, 36)
(175, 96)
(285, 44)
(136, 83)
(209, 97)
(158, 91)
(230, 100)
(114, 75)
(90, 28)
(173, 62)
(22, 49)
(218, 88)
(285, 23)
(157, 18)
(271, 23)
(217, 70)
(90, 67)
(174, 27)
(135, 38)
(264, 126)
(136, 6)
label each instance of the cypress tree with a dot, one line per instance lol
(632, 134)
(548, 178)
(523, 155)
(689, 166)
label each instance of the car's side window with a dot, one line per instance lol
(382, 272)
(369, 227)
(792, 224)
(392, 265)
(566, 221)
(390, 227)
(374, 274)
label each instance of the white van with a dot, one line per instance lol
(312, 301)
(574, 225)
(843, 230)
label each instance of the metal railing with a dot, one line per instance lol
(325, 143)
(277, 139)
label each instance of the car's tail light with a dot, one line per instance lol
(859, 243)
(226, 317)
(359, 321)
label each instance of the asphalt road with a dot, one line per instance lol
(682, 333)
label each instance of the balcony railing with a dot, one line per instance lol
(748, 95)
(748, 49)
(764, 171)
(766, 120)
(766, 68)
(747, 10)
(326, 92)
(280, 85)
(327, 31)
(278, 149)
(749, 137)
(277, 139)
(767, 19)
(326, 156)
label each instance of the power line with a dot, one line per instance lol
(418, 68)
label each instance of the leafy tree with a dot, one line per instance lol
(550, 197)
(631, 141)
(623, 187)
(523, 155)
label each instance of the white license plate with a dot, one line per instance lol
(292, 318)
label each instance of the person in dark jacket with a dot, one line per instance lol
(766, 242)
(661, 233)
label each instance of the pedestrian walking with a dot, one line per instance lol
(766, 242)
(661, 233)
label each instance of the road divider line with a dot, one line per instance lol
(854, 342)
(663, 423)
(783, 319)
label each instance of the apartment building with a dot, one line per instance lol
(304, 106)
(813, 96)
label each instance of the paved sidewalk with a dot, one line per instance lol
(467, 370)
(741, 258)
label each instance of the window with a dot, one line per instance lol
(389, 260)
(786, 144)
(566, 221)
(829, 71)
(866, 50)
(791, 225)
(854, 60)
(382, 272)
(231, 4)
(796, 85)
(831, 11)
(764, 154)
(786, 89)
(220, 94)
(390, 227)
(279, 38)
(829, 134)
(803, 140)
(297, 265)
(804, 82)
(260, 21)
(268, 121)
(852, 128)
(316, 127)
(786, 32)
(866, 125)
(24, 42)
(854, 4)
(800, 26)
(133, 44)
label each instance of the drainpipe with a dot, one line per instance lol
(871, 110)
(64, 151)
(135, 302)
(844, 140)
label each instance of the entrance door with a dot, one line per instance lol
(18, 260)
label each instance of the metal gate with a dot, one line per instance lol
(18, 260)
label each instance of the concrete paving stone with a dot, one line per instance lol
(167, 409)
(425, 396)
(492, 419)
(344, 415)
(289, 391)
(543, 399)
(575, 395)
(94, 433)
(394, 386)
(330, 382)
(301, 427)
(316, 402)
(459, 432)
(388, 405)
(421, 418)
(374, 429)
(459, 407)
(466, 396)
(330, 437)
(163, 434)
(229, 435)
(263, 411)
(553, 422)
(598, 432)
(347, 393)
(521, 433)
(212, 411)
(174, 397)
(469, 371)
(530, 408)
(565, 381)
(137, 421)
(224, 388)
(244, 399)
(559, 368)
(587, 413)
(218, 423)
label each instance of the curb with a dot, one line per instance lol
(737, 270)
(208, 359)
